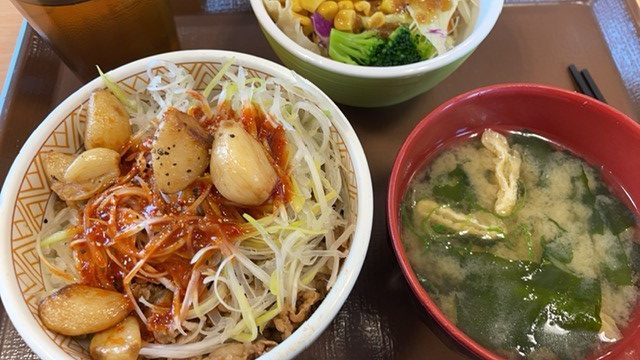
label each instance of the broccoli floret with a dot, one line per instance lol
(359, 49)
(424, 46)
(399, 50)
(404, 47)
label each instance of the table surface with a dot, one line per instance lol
(10, 20)
(381, 319)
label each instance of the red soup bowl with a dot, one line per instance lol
(599, 134)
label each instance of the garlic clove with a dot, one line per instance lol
(93, 164)
(55, 164)
(82, 191)
(121, 342)
(108, 123)
(76, 178)
(80, 309)
(240, 167)
(180, 151)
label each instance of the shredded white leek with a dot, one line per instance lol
(249, 281)
(117, 91)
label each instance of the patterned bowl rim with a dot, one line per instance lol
(11, 294)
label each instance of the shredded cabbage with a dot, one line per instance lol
(286, 20)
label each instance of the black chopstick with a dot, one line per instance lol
(592, 85)
(585, 83)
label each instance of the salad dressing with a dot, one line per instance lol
(426, 11)
(376, 33)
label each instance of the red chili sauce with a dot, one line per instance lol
(105, 254)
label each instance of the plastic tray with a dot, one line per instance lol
(533, 41)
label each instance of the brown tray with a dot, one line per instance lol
(533, 41)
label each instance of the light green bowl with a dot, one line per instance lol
(375, 86)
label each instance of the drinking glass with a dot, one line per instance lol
(106, 33)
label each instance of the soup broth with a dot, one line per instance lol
(550, 275)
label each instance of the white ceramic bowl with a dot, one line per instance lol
(376, 86)
(25, 197)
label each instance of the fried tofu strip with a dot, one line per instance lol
(507, 171)
(458, 222)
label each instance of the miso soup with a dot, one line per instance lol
(523, 246)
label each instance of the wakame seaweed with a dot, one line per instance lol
(564, 256)
(538, 148)
(607, 211)
(618, 269)
(525, 295)
(454, 189)
(610, 214)
(617, 217)
(557, 251)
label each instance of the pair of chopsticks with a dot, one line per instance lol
(585, 83)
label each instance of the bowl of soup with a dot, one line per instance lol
(512, 211)
(375, 53)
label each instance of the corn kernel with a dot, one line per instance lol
(305, 23)
(328, 10)
(310, 5)
(304, 20)
(345, 5)
(295, 6)
(345, 20)
(307, 30)
(375, 21)
(363, 7)
(387, 6)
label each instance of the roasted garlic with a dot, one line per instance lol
(240, 167)
(93, 164)
(79, 309)
(180, 151)
(108, 123)
(79, 178)
(121, 342)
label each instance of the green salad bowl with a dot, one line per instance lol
(367, 86)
